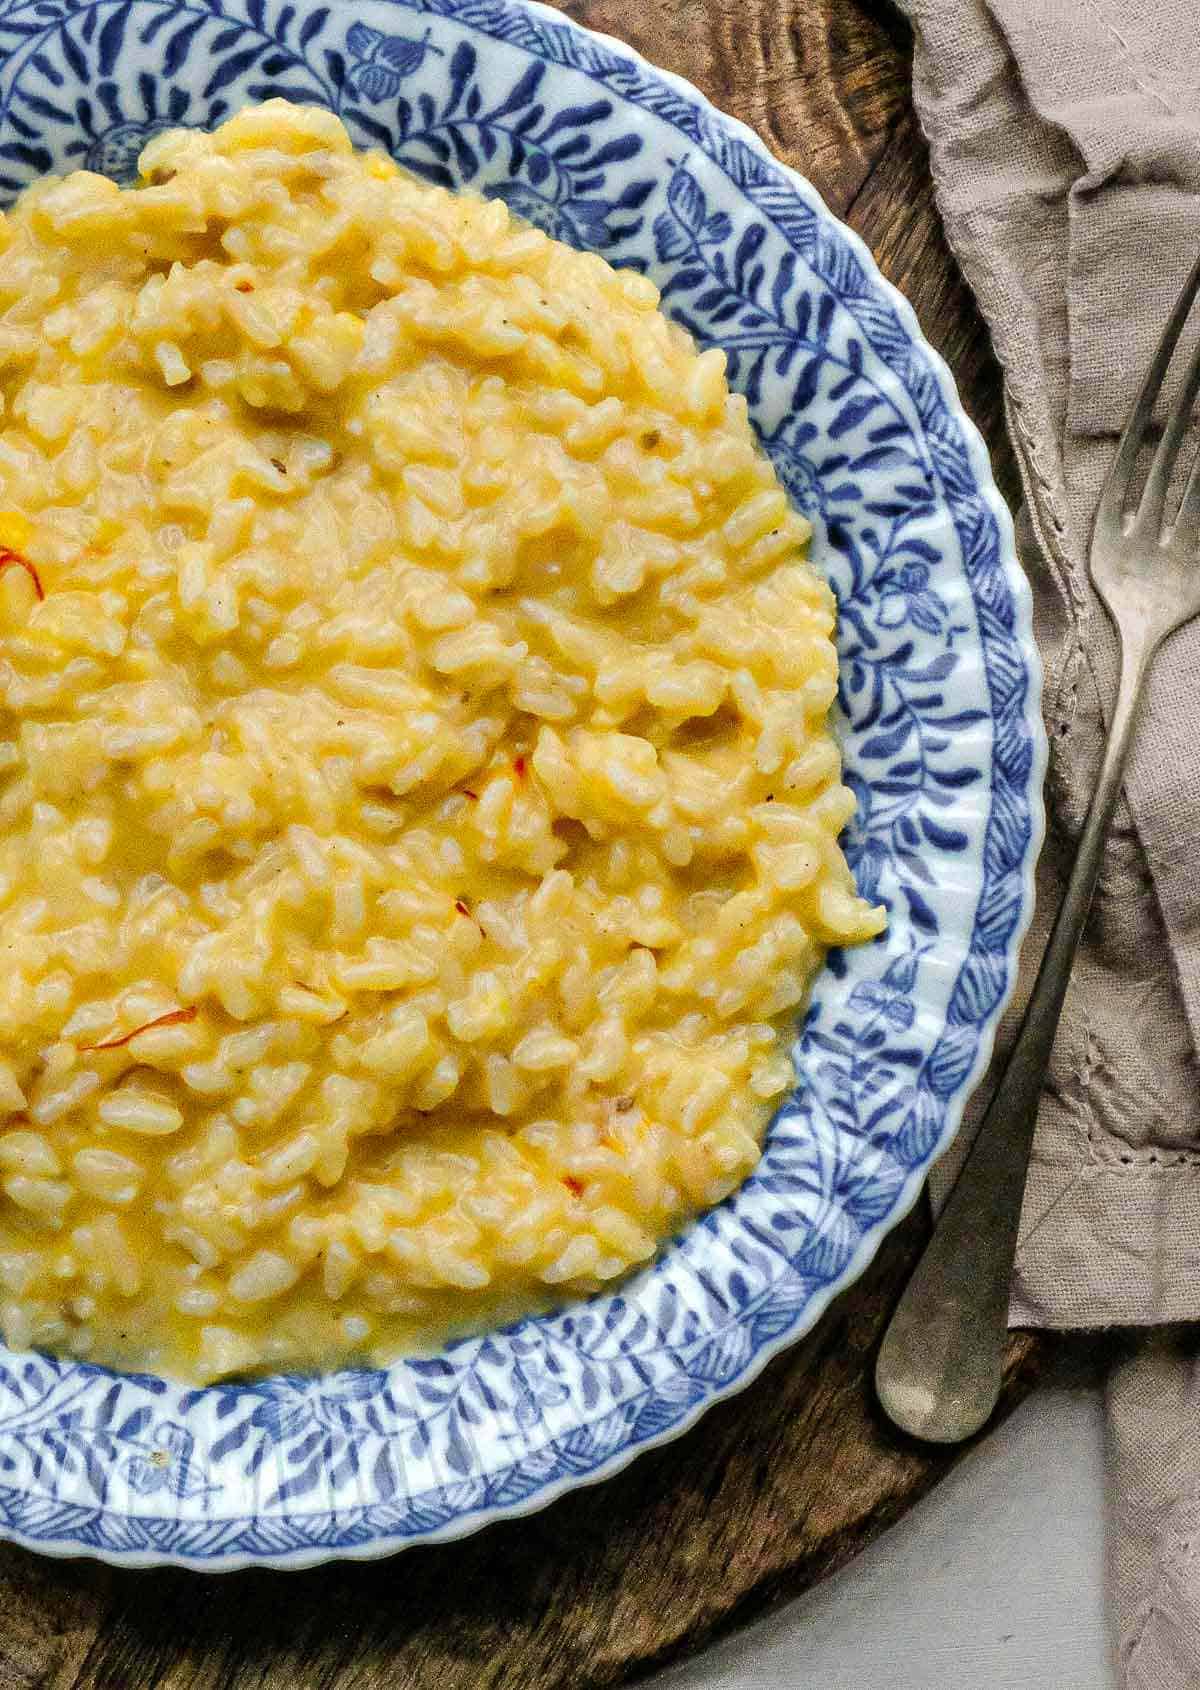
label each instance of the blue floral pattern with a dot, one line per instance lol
(943, 748)
(379, 63)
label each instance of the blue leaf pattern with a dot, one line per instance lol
(941, 751)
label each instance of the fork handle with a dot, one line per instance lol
(939, 1370)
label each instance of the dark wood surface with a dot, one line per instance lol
(773, 1489)
(770, 1491)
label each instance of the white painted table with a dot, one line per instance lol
(994, 1582)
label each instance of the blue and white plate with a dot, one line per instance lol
(943, 744)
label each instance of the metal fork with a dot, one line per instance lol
(939, 1370)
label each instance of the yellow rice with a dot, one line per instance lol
(423, 726)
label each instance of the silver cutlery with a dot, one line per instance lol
(938, 1373)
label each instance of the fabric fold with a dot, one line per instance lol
(1065, 148)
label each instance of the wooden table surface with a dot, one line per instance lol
(783, 1483)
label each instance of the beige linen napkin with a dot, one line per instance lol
(1065, 143)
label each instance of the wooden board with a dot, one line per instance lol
(769, 1492)
(772, 1489)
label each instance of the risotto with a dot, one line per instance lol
(418, 814)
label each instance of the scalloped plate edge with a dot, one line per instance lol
(467, 1523)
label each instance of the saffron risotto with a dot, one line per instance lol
(418, 813)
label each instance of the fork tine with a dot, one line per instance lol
(1150, 511)
(1187, 522)
(1113, 497)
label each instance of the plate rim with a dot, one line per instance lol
(469, 1521)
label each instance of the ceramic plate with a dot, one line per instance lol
(941, 730)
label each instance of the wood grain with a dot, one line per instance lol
(775, 1487)
(770, 1491)
(823, 82)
